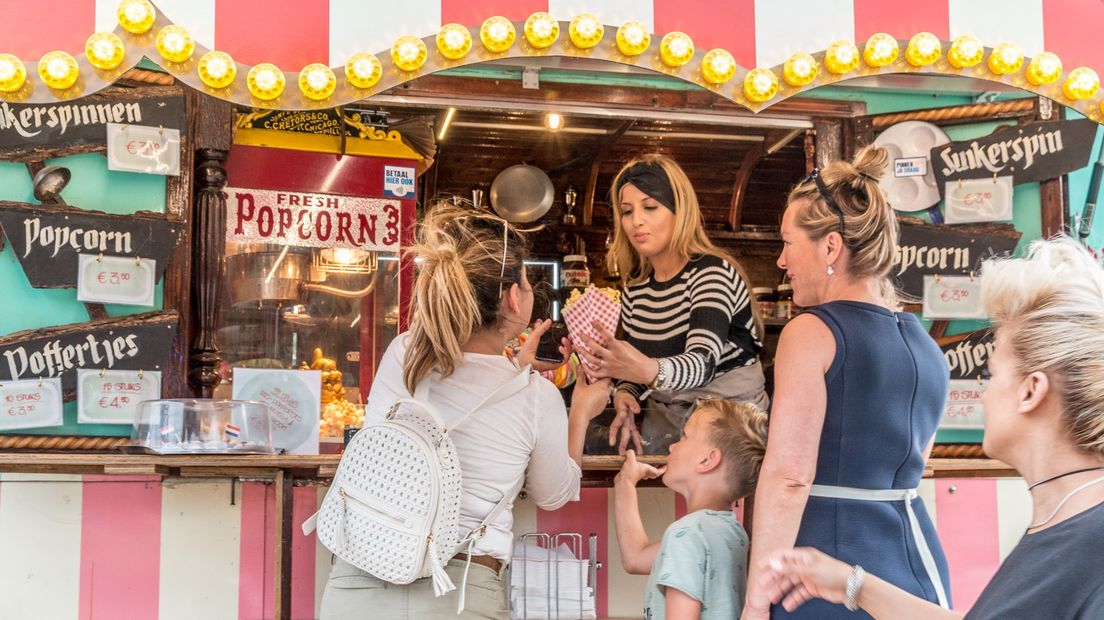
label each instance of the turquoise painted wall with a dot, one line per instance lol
(93, 187)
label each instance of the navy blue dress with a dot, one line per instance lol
(886, 391)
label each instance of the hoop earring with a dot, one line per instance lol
(831, 270)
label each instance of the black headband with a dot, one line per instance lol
(650, 178)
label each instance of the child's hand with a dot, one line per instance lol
(633, 471)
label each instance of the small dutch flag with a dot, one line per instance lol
(232, 431)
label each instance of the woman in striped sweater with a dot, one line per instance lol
(688, 322)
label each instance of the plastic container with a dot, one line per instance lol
(185, 426)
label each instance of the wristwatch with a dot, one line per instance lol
(663, 376)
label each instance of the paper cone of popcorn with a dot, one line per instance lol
(601, 306)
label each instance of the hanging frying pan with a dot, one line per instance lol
(522, 193)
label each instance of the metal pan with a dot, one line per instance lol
(522, 193)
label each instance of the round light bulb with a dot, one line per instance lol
(1005, 58)
(58, 70)
(760, 85)
(175, 44)
(676, 49)
(718, 66)
(800, 69)
(363, 70)
(924, 48)
(1045, 68)
(585, 30)
(136, 16)
(633, 38)
(841, 57)
(1082, 83)
(265, 81)
(13, 74)
(454, 41)
(497, 34)
(217, 69)
(317, 81)
(881, 49)
(104, 50)
(541, 30)
(966, 51)
(409, 53)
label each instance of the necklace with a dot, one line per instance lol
(1064, 500)
(1068, 473)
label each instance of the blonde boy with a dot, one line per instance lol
(699, 569)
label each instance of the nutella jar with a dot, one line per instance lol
(764, 300)
(575, 273)
(783, 305)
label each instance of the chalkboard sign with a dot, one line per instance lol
(1027, 153)
(47, 239)
(968, 354)
(925, 249)
(136, 342)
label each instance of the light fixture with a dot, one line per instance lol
(966, 51)
(454, 41)
(104, 50)
(676, 49)
(924, 48)
(585, 31)
(265, 81)
(136, 16)
(1005, 58)
(880, 50)
(217, 69)
(13, 74)
(633, 38)
(541, 30)
(345, 260)
(718, 66)
(409, 53)
(317, 81)
(554, 121)
(497, 34)
(446, 123)
(363, 70)
(760, 85)
(841, 57)
(800, 69)
(175, 44)
(1045, 68)
(58, 70)
(1082, 83)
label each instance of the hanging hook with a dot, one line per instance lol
(937, 278)
(40, 382)
(102, 371)
(99, 259)
(141, 374)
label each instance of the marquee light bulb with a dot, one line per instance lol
(1082, 83)
(841, 57)
(136, 16)
(633, 38)
(966, 51)
(800, 69)
(217, 69)
(1005, 58)
(676, 49)
(454, 41)
(718, 66)
(586, 31)
(880, 50)
(541, 30)
(58, 70)
(409, 53)
(104, 50)
(265, 81)
(13, 74)
(924, 48)
(760, 85)
(1045, 68)
(497, 34)
(363, 70)
(175, 44)
(317, 81)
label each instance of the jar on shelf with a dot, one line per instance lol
(575, 272)
(764, 301)
(784, 305)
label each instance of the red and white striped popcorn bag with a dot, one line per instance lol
(593, 306)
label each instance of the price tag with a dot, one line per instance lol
(952, 297)
(34, 403)
(112, 396)
(138, 148)
(964, 409)
(978, 200)
(116, 279)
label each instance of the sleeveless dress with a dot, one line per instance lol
(886, 390)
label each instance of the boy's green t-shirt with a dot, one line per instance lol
(705, 555)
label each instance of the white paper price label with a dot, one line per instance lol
(34, 403)
(964, 409)
(112, 396)
(138, 148)
(116, 279)
(952, 297)
(978, 200)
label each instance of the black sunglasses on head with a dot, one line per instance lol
(823, 190)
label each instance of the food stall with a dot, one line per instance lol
(765, 92)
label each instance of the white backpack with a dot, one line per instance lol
(394, 504)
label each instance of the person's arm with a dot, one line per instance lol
(805, 352)
(681, 606)
(637, 552)
(587, 402)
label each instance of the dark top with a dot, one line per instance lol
(1053, 574)
(701, 320)
(886, 390)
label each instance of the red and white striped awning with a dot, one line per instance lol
(758, 33)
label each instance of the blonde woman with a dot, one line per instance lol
(859, 391)
(471, 296)
(1044, 416)
(687, 315)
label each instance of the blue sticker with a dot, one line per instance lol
(398, 182)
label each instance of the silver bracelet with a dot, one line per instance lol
(854, 586)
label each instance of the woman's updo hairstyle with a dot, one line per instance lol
(467, 259)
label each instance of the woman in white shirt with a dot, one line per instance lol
(470, 297)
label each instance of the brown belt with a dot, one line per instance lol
(485, 560)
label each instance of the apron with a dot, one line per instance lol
(666, 411)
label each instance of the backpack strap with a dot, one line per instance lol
(468, 542)
(504, 391)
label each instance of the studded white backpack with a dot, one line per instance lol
(394, 505)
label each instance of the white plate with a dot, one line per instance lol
(904, 141)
